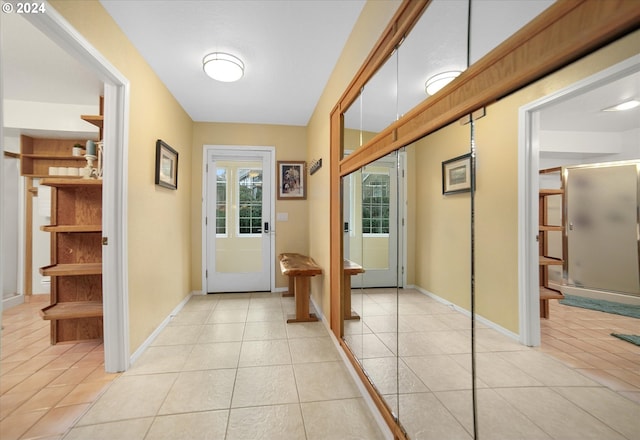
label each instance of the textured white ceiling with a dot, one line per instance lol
(289, 49)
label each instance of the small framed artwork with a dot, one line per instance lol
(292, 180)
(166, 165)
(456, 174)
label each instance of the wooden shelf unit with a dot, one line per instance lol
(72, 310)
(544, 228)
(38, 155)
(97, 120)
(75, 311)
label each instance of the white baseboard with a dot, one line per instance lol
(147, 343)
(467, 313)
(12, 301)
(363, 391)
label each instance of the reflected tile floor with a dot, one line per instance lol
(581, 383)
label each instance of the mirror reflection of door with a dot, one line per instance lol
(602, 207)
(238, 222)
(373, 233)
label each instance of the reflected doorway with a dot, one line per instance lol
(569, 128)
(374, 229)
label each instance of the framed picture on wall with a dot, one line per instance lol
(166, 165)
(456, 174)
(292, 180)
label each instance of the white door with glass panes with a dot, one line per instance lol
(371, 229)
(238, 219)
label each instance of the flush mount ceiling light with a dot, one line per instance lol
(437, 82)
(627, 105)
(223, 66)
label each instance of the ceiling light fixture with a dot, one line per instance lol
(223, 66)
(627, 105)
(437, 82)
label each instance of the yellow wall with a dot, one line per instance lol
(159, 257)
(374, 18)
(290, 144)
(441, 232)
(496, 136)
(443, 227)
(164, 227)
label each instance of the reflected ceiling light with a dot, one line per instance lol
(437, 82)
(223, 66)
(627, 105)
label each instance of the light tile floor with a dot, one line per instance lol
(229, 367)
(226, 367)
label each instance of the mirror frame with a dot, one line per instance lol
(560, 35)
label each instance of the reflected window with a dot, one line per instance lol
(221, 202)
(249, 201)
(375, 203)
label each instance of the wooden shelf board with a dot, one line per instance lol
(97, 120)
(52, 157)
(69, 181)
(546, 293)
(71, 310)
(551, 170)
(48, 176)
(72, 228)
(550, 192)
(60, 270)
(550, 261)
(550, 228)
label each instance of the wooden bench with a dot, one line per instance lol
(350, 268)
(299, 268)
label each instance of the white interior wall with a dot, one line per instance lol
(46, 117)
(10, 211)
(563, 148)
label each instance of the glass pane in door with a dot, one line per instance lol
(239, 215)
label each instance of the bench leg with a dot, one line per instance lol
(302, 301)
(292, 285)
(348, 313)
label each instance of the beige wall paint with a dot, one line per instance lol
(442, 228)
(374, 18)
(159, 258)
(497, 211)
(442, 251)
(290, 144)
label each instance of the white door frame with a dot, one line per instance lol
(528, 186)
(114, 213)
(401, 222)
(206, 149)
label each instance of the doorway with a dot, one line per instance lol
(114, 256)
(239, 205)
(543, 123)
(374, 222)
